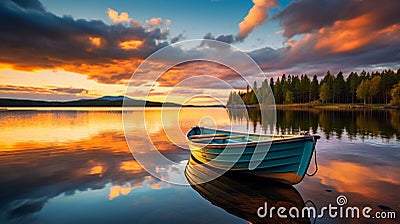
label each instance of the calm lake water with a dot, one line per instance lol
(74, 166)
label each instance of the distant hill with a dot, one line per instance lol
(113, 98)
(105, 101)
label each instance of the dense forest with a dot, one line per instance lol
(366, 88)
(339, 123)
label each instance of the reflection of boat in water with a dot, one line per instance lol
(284, 157)
(243, 195)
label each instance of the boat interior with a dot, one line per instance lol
(212, 136)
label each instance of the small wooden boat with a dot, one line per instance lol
(242, 195)
(284, 158)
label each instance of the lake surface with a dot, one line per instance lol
(74, 166)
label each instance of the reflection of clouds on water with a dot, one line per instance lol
(127, 188)
(50, 127)
(365, 173)
(90, 160)
(360, 178)
(117, 190)
(131, 166)
(29, 177)
(175, 172)
(164, 148)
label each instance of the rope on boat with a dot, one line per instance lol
(315, 159)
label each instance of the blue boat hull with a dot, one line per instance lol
(283, 158)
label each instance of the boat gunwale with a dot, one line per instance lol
(249, 144)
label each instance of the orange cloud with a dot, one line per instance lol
(131, 44)
(257, 15)
(346, 35)
(153, 22)
(117, 18)
(11, 90)
(334, 28)
(96, 41)
(90, 47)
(117, 71)
(123, 17)
(197, 68)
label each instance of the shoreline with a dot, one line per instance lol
(325, 106)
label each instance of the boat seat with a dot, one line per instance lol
(218, 138)
(207, 135)
(237, 141)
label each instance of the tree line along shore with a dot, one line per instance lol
(363, 89)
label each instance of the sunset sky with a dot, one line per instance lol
(65, 50)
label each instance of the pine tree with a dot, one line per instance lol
(271, 84)
(387, 82)
(305, 88)
(230, 99)
(353, 81)
(278, 92)
(314, 89)
(329, 81)
(339, 87)
(295, 88)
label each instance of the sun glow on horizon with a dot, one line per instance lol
(55, 84)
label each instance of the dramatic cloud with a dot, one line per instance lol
(208, 58)
(158, 23)
(62, 93)
(50, 90)
(117, 18)
(307, 15)
(70, 90)
(229, 39)
(30, 4)
(106, 53)
(335, 35)
(199, 73)
(320, 35)
(177, 38)
(123, 17)
(154, 22)
(256, 16)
